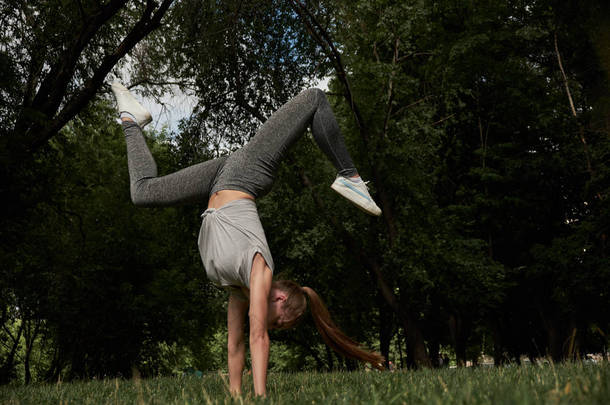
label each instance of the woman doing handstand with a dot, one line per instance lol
(232, 242)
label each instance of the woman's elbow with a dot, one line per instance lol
(140, 195)
(137, 200)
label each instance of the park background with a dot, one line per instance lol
(482, 125)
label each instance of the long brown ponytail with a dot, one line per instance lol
(334, 337)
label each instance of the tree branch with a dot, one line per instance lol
(147, 23)
(581, 132)
(54, 85)
(391, 87)
(323, 39)
(565, 78)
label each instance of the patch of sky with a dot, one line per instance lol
(177, 105)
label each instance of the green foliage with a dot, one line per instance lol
(83, 260)
(470, 128)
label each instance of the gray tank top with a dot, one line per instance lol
(229, 238)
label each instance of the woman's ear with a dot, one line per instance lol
(278, 295)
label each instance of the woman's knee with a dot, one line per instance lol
(316, 95)
(139, 196)
(137, 199)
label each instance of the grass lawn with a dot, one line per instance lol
(549, 384)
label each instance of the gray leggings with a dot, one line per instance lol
(249, 169)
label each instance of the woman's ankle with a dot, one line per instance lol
(126, 117)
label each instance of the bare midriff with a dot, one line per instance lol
(220, 198)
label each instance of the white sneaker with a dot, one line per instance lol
(357, 193)
(126, 102)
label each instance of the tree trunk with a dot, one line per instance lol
(499, 358)
(456, 328)
(554, 344)
(416, 346)
(386, 326)
(8, 368)
(572, 345)
(26, 367)
(434, 352)
(30, 337)
(54, 370)
(399, 344)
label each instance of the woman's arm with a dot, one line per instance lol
(260, 286)
(236, 314)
